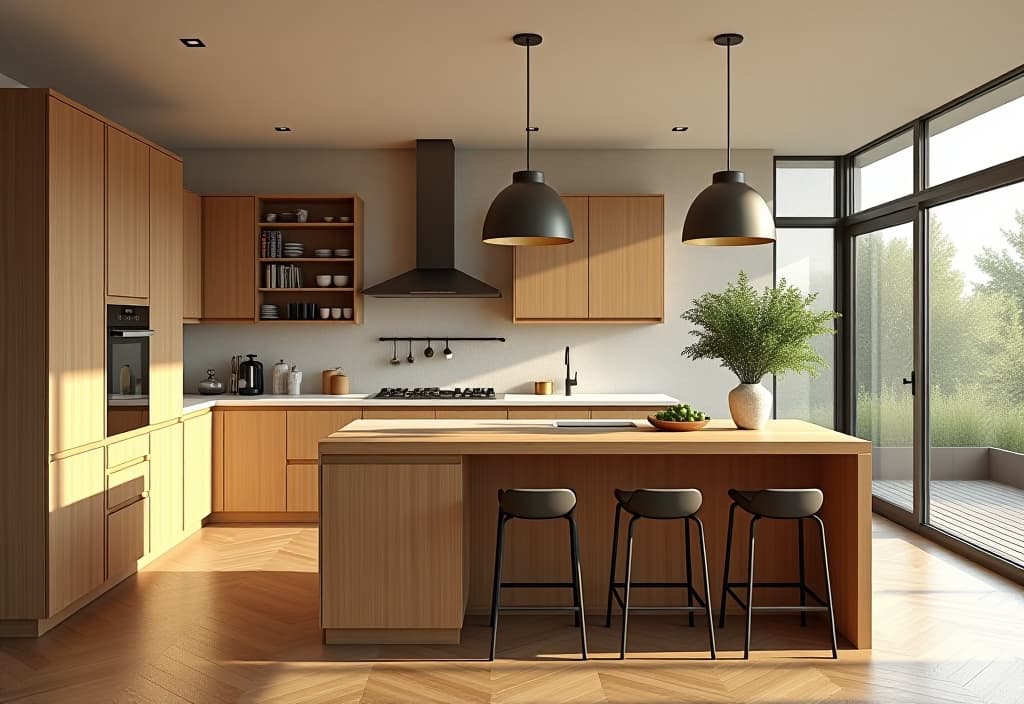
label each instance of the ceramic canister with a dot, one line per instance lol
(294, 382)
(279, 378)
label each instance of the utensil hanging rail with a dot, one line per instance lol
(437, 338)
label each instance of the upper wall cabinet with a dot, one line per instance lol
(229, 258)
(614, 271)
(192, 257)
(127, 216)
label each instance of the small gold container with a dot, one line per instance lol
(543, 388)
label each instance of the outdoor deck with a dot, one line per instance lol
(985, 513)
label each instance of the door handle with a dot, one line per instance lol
(913, 385)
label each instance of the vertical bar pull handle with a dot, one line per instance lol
(913, 385)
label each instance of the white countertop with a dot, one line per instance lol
(197, 403)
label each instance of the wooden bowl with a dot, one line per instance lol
(677, 426)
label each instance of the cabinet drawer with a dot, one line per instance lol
(127, 484)
(548, 413)
(306, 428)
(303, 487)
(398, 413)
(126, 538)
(119, 453)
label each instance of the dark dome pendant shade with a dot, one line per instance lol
(728, 212)
(529, 212)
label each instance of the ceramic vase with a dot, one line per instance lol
(750, 406)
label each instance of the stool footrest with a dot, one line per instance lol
(794, 609)
(567, 609)
(537, 585)
(701, 605)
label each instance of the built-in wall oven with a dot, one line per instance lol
(128, 336)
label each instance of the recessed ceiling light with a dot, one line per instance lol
(192, 42)
(680, 128)
(282, 128)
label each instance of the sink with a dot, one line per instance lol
(587, 423)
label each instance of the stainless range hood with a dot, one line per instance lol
(435, 275)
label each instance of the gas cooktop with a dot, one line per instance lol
(433, 392)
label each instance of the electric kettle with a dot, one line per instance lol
(250, 377)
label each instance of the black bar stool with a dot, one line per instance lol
(786, 504)
(538, 505)
(659, 505)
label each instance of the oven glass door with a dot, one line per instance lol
(127, 380)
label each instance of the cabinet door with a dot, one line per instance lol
(192, 256)
(126, 538)
(166, 486)
(165, 295)
(77, 399)
(306, 428)
(303, 487)
(76, 515)
(198, 469)
(551, 281)
(229, 258)
(254, 461)
(627, 253)
(127, 216)
(548, 413)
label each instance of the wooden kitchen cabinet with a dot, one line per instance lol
(127, 216)
(198, 474)
(255, 460)
(229, 258)
(166, 487)
(627, 251)
(192, 257)
(75, 527)
(398, 413)
(127, 532)
(552, 282)
(613, 272)
(548, 413)
(305, 428)
(165, 296)
(75, 302)
(303, 487)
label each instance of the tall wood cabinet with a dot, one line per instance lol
(192, 257)
(229, 258)
(74, 188)
(614, 270)
(128, 203)
(166, 487)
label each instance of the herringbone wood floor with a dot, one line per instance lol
(231, 615)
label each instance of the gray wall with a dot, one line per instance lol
(610, 358)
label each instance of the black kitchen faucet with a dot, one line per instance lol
(571, 379)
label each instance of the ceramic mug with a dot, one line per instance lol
(325, 313)
(301, 215)
(347, 312)
(336, 313)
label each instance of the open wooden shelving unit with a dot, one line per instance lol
(313, 234)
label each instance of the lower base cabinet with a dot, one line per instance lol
(198, 473)
(254, 461)
(75, 527)
(303, 487)
(166, 487)
(126, 538)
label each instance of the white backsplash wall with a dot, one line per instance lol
(610, 358)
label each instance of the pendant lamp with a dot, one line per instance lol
(728, 212)
(529, 212)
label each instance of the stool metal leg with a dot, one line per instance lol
(750, 588)
(708, 611)
(496, 593)
(611, 577)
(828, 588)
(803, 583)
(728, 557)
(689, 573)
(625, 599)
(577, 582)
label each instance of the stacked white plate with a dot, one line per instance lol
(323, 253)
(343, 253)
(269, 311)
(293, 249)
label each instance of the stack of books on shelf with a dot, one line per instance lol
(282, 276)
(271, 244)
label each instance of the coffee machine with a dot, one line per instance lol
(250, 377)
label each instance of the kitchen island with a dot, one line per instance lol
(408, 511)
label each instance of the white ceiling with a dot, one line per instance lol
(812, 77)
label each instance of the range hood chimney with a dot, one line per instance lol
(435, 275)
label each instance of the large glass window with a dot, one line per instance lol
(805, 188)
(980, 133)
(804, 257)
(884, 172)
(976, 354)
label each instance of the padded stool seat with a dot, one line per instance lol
(537, 504)
(779, 503)
(661, 504)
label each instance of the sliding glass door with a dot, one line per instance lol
(883, 309)
(975, 485)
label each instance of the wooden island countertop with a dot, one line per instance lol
(408, 510)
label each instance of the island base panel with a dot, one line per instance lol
(392, 636)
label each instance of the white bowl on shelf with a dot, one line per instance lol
(340, 280)
(323, 280)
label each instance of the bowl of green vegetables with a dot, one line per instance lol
(679, 418)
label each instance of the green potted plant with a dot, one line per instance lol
(756, 335)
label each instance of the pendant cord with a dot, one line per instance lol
(527, 107)
(728, 107)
